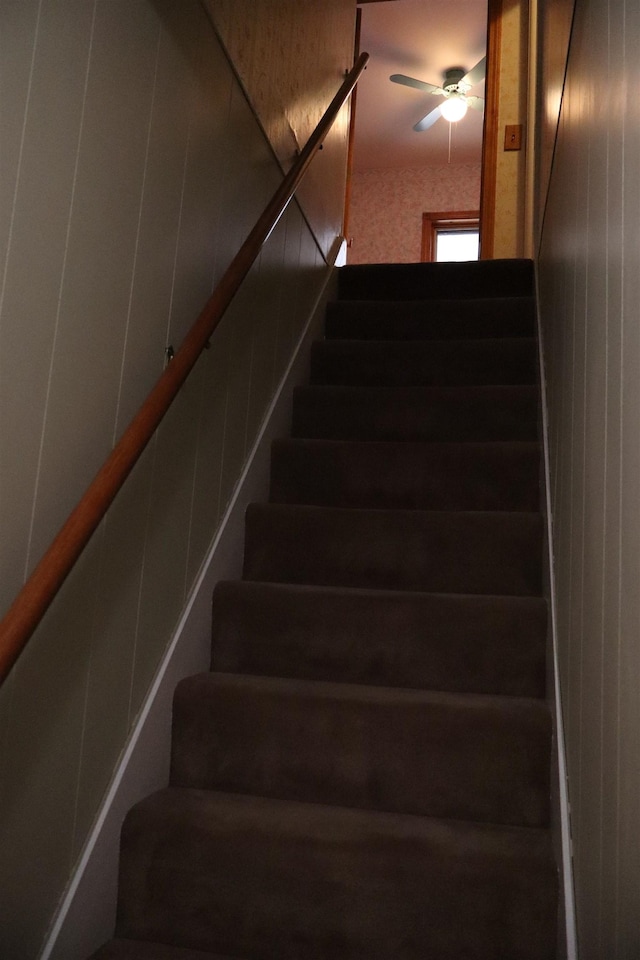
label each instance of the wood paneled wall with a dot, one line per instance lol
(590, 304)
(131, 169)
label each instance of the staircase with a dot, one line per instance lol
(365, 773)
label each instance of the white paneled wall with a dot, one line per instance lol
(131, 169)
(590, 304)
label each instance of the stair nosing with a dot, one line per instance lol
(482, 597)
(450, 341)
(317, 507)
(367, 692)
(487, 827)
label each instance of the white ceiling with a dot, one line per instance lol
(419, 38)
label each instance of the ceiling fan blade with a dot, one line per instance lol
(429, 120)
(476, 102)
(412, 82)
(477, 73)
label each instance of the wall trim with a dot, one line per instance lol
(85, 918)
(562, 800)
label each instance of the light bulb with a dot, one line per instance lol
(453, 108)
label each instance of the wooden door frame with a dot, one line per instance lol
(451, 219)
(489, 136)
(490, 131)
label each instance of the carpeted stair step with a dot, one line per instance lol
(437, 362)
(430, 319)
(432, 551)
(260, 878)
(421, 281)
(407, 475)
(460, 756)
(140, 950)
(472, 644)
(365, 775)
(416, 413)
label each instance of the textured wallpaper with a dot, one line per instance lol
(555, 18)
(292, 58)
(387, 206)
(509, 239)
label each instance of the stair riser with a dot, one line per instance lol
(414, 413)
(405, 364)
(430, 320)
(410, 476)
(437, 755)
(399, 550)
(493, 645)
(250, 879)
(137, 950)
(421, 281)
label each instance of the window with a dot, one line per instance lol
(457, 244)
(450, 236)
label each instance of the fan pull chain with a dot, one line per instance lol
(450, 129)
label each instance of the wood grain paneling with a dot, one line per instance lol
(131, 167)
(590, 296)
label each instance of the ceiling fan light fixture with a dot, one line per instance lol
(454, 108)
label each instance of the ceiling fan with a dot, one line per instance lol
(454, 89)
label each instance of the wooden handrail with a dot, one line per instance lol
(40, 589)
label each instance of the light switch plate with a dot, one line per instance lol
(513, 136)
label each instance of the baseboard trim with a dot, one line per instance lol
(86, 915)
